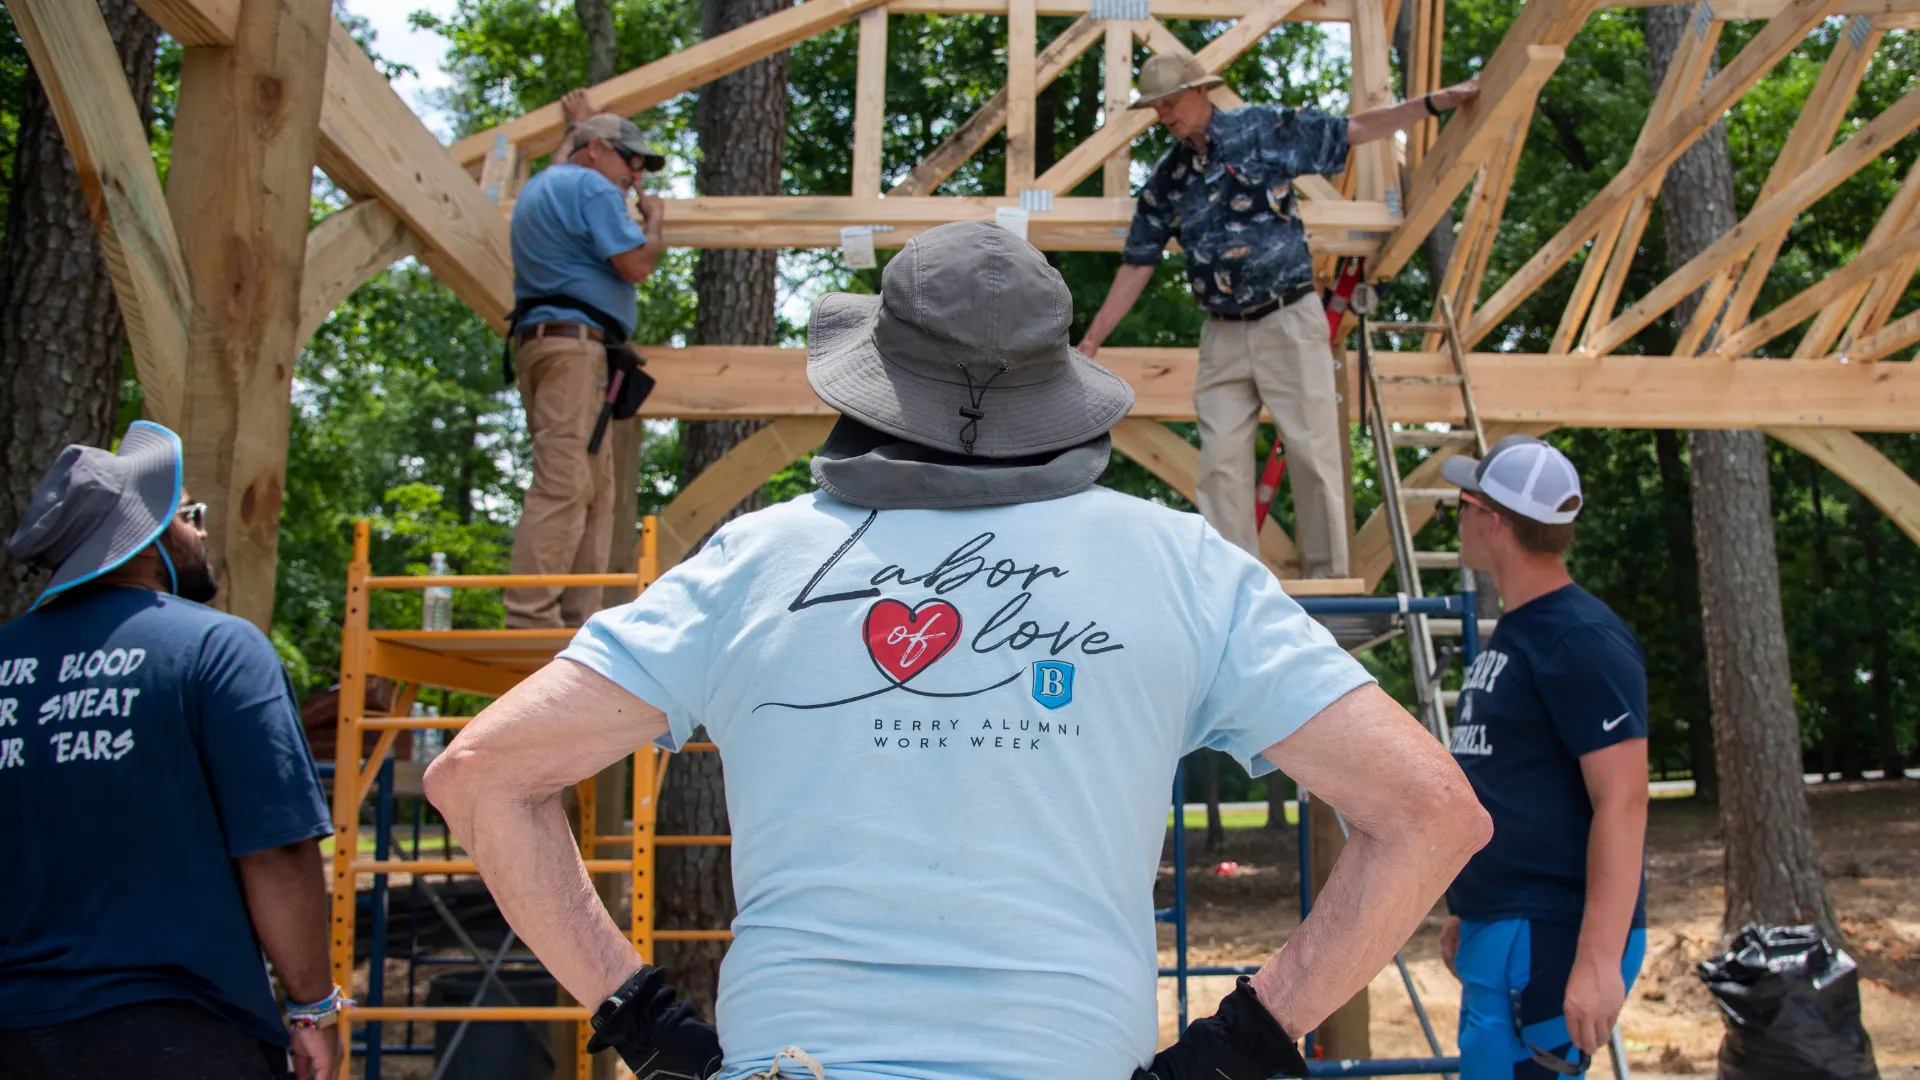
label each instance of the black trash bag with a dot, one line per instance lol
(1792, 1006)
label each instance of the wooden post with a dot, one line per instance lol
(73, 53)
(239, 193)
(1344, 1034)
(1115, 179)
(870, 103)
(1373, 165)
(1022, 46)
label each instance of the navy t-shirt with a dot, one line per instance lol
(145, 743)
(1561, 678)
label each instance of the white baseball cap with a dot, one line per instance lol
(1523, 474)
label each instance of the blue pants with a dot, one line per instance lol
(1525, 961)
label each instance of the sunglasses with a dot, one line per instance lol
(635, 162)
(194, 514)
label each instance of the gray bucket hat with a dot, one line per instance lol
(964, 350)
(94, 510)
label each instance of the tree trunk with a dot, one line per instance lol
(1210, 791)
(1277, 800)
(1772, 865)
(742, 123)
(603, 41)
(1870, 522)
(62, 344)
(1683, 586)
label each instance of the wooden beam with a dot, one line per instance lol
(194, 22)
(1813, 131)
(1022, 43)
(1116, 179)
(742, 382)
(1371, 86)
(1508, 89)
(1887, 340)
(1161, 451)
(240, 193)
(1810, 300)
(1205, 10)
(372, 145)
(496, 171)
(1855, 460)
(1074, 223)
(1610, 259)
(1748, 10)
(1121, 129)
(1807, 187)
(346, 249)
(740, 471)
(1650, 160)
(977, 130)
(870, 103)
(1872, 306)
(73, 54)
(674, 74)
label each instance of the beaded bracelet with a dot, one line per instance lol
(320, 1014)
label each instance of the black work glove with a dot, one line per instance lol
(1242, 1041)
(659, 1038)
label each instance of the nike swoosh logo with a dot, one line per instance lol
(1609, 725)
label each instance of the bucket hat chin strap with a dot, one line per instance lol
(972, 411)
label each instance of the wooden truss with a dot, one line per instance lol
(221, 282)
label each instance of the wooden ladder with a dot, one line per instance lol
(1387, 437)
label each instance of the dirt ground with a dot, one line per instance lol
(1869, 838)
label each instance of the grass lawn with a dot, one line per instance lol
(1235, 819)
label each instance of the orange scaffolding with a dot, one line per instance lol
(487, 663)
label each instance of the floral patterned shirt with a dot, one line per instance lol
(1233, 206)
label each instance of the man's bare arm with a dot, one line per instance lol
(1616, 778)
(636, 265)
(1414, 823)
(1128, 283)
(1379, 123)
(499, 787)
(286, 891)
(575, 107)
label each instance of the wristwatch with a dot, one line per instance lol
(320, 1014)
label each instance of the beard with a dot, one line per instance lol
(193, 576)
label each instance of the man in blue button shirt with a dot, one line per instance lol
(577, 257)
(1548, 922)
(1225, 189)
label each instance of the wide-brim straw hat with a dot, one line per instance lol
(964, 350)
(94, 510)
(1165, 75)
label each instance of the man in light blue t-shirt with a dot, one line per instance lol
(577, 257)
(950, 689)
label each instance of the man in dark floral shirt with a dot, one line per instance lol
(1225, 189)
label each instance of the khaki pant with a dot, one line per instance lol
(1285, 361)
(566, 521)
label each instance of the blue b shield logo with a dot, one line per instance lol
(1052, 683)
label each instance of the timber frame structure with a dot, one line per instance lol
(221, 281)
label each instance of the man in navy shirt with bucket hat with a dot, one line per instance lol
(159, 810)
(1548, 922)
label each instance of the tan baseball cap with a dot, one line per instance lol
(1166, 75)
(620, 132)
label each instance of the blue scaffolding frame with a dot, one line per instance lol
(1464, 605)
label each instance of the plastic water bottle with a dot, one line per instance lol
(436, 610)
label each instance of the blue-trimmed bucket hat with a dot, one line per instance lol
(94, 510)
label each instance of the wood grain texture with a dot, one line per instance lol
(346, 249)
(1022, 45)
(372, 145)
(74, 56)
(870, 103)
(195, 22)
(239, 193)
(1116, 181)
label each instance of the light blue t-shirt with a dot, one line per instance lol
(567, 223)
(949, 739)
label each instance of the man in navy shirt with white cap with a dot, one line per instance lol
(1548, 923)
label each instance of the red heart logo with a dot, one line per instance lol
(905, 641)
